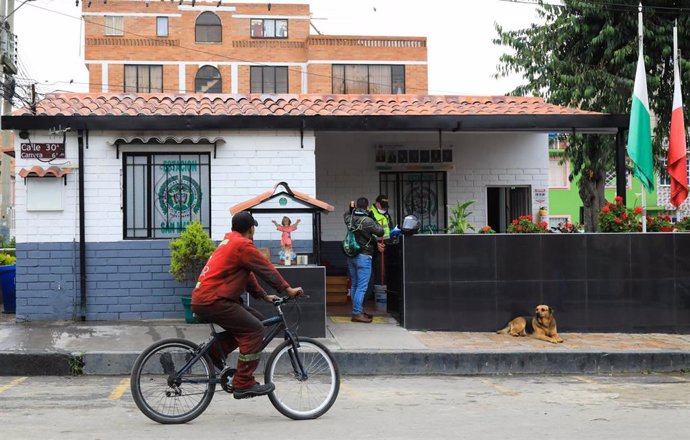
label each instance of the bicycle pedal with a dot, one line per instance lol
(225, 379)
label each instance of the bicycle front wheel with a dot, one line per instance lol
(303, 397)
(164, 396)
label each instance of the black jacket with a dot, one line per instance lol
(366, 230)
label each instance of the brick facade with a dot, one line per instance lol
(182, 56)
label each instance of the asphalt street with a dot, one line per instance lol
(478, 407)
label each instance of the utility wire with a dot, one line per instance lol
(610, 6)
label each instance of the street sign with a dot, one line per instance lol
(42, 151)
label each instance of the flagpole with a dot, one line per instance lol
(644, 190)
(676, 60)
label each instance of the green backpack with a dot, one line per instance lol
(350, 245)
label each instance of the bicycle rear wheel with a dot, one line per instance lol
(303, 398)
(159, 395)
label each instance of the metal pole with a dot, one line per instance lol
(82, 228)
(621, 178)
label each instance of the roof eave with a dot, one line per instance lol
(582, 123)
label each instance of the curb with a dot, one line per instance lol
(385, 363)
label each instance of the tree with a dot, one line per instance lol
(584, 55)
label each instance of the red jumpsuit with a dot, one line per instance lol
(216, 298)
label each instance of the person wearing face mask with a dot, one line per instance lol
(379, 212)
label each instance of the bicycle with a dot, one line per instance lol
(174, 380)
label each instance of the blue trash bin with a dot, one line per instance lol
(9, 294)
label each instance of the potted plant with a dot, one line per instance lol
(525, 225)
(7, 276)
(459, 223)
(487, 230)
(188, 256)
(615, 217)
(683, 225)
(569, 228)
(659, 223)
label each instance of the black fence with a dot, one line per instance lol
(594, 282)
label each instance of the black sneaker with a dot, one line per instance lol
(253, 391)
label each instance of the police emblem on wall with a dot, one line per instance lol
(179, 195)
(178, 202)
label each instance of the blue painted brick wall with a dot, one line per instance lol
(127, 280)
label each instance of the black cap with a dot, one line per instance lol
(382, 199)
(243, 221)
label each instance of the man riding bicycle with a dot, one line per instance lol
(229, 272)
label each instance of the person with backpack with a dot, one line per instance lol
(365, 230)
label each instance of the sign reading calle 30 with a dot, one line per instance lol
(42, 151)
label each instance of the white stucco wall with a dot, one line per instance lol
(335, 167)
(345, 167)
(246, 164)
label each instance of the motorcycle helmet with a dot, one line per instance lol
(410, 225)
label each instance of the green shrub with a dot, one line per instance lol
(189, 253)
(7, 259)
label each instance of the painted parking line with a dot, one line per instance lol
(351, 392)
(119, 390)
(587, 380)
(12, 384)
(500, 388)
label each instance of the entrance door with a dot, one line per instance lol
(506, 203)
(422, 194)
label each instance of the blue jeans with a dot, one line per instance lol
(360, 272)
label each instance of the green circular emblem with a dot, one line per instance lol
(282, 201)
(180, 195)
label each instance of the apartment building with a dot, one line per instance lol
(139, 46)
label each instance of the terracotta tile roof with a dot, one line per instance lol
(304, 197)
(37, 171)
(84, 104)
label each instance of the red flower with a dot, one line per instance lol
(568, 225)
(543, 225)
(529, 217)
(619, 199)
(618, 220)
(638, 210)
(515, 222)
(625, 215)
(605, 209)
(519, 228)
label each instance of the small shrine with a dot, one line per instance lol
(286, 211)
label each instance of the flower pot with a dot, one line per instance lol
(9, 294)
(189, 317)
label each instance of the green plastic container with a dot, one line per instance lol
(189, 317)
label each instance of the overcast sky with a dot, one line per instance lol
(461, 56)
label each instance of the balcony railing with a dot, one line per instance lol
(389, 42)
(130, 42)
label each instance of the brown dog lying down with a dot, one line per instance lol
(541, 326)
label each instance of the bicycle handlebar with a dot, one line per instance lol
(283, 299)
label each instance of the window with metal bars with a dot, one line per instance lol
(165, 192)
(422, 194)
(208, 80)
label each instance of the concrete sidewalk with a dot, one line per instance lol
(380, 348)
